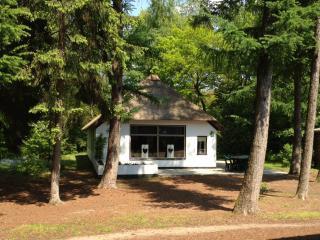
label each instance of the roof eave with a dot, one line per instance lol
(93, 123)
(214, 123)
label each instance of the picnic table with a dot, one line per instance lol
(236, 162)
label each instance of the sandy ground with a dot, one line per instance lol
(239, 231)
(159, 202)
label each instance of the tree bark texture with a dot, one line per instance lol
(247, 202)
(297, 137)
(316, 149)
(58, 121)
(55, 172)
(110, 173)
(303, 185)
(109, 178)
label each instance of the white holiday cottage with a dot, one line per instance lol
(172, 133)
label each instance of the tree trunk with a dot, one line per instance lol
(109, 178)
(200, 96)
(317, 153)
(110, 173)
(58, 121)
(247, 202)
(303, 185)
(316, 149)
(297, 138)
(55, 172)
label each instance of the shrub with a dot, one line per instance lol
(36, 149)
(68, 148)
(32, 167)
(264, 188)
(283, 156)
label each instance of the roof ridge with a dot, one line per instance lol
(176, 108)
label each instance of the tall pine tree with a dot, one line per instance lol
(303, 185)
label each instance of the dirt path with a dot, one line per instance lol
(187, 231)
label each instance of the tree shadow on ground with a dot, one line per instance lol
(226, 182)
(26, 190)
(278, 177)
(216, 182)
(305, 237)
(170, 196)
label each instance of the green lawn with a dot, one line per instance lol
(275, 166)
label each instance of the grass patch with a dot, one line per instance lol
(275, 166)
(38, 231)
(68, 161)
(50, 231)
(136, 221)
(304, 215)
(86, 227)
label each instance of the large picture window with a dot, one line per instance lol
(160, 142)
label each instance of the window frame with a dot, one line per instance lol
(158, 135)
(206, 146)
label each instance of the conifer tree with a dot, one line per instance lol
(12, 32)
(269, 40)
(56, 67)
(303, 185)
(110, 173)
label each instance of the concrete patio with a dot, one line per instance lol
(219, 170)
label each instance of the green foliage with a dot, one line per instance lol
(56, 67)
(36, 149)
(31, 167)
(39, 142)
(283, 157)
(235, 109)
(12, 31)
(184, 63)
(209, 58)
(160, 11)
(286, 39)
(75, 139)
(264, 188)
(100, 143)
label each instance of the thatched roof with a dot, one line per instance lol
(171, 105)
